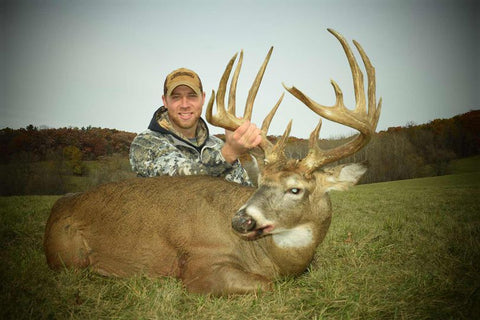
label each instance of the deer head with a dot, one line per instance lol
(292, 194)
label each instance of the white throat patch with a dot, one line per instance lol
(298, 237)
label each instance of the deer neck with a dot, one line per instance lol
(298, 237)
(293, 249)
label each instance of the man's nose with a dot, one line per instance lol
(184, 101)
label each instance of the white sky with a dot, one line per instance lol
(103, 63)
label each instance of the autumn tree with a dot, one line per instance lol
(73, 160)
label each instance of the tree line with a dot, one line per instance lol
(411, 151)
(53, 161)
(398, 153)
(39, 144)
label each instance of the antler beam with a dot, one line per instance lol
(228, 120)
(359, 118)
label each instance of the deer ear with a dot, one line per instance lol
(343, 176)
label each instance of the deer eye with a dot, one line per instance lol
(294, 191)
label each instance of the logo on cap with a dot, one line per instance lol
(181, 73)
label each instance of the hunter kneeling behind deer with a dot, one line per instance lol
(220, 237)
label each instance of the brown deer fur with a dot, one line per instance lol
(181, 227)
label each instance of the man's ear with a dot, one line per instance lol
(164, 100)
(343, 176)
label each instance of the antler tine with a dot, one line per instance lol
(227, 119)
(359, 118)
(252, 93)
(233, 86)
(314, 157)
(265, 144)
(373, 109)
(223, 118)
(276, 152)
(357, 74)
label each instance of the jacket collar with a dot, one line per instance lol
(160, 122)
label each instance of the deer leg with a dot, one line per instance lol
(225, 279)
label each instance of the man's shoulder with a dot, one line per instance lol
(150, 133)
(152, 137)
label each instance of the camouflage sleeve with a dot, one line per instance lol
(239, 175)
(236, 173)
(156, 154)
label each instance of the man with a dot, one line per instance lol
(177, 141)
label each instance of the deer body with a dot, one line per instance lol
(140, 226)
(216, 236)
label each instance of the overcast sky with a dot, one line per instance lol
(103, 63)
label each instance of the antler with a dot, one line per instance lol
(226, 118)
(359, 118)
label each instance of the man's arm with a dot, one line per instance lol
(152, 155)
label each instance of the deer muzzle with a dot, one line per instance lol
(242, 222)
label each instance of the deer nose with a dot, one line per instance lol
(242, 222)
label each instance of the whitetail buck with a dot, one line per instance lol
(216, 236)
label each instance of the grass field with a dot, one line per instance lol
(399, 250)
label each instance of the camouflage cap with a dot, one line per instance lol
(180, 77)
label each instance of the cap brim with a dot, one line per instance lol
(183, 83)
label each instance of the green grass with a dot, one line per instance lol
(399, 250)
(415, 249)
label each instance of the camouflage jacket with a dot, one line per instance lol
(160, 150)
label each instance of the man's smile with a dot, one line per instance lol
(185, 115)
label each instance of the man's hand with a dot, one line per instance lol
(238, 142)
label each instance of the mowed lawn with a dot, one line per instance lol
(398, 250)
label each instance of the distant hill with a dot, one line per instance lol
(40, 144)
(396, 153)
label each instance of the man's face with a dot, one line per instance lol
(184, 109)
